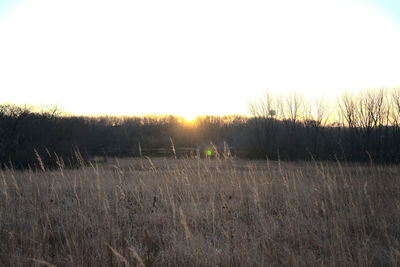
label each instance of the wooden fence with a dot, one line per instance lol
(182, 152)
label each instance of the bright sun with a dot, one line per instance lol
(192, 116)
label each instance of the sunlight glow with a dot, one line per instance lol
(190, 58)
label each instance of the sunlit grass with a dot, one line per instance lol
(192, 212)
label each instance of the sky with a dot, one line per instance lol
(191, 58)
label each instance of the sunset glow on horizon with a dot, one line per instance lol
(190, 58)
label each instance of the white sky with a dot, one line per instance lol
(190, 58)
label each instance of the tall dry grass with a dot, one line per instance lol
(191, 212)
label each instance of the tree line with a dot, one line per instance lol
(357, 127)
(29, 138)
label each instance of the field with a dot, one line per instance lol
(192, 212)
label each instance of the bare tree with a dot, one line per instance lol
(371, 109)
(263, 107)
(294, 105)
(395, 107)
(347, 110)
(308, 112)
(264, 112)
(322, 111)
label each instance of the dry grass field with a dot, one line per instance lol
(192, 212)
